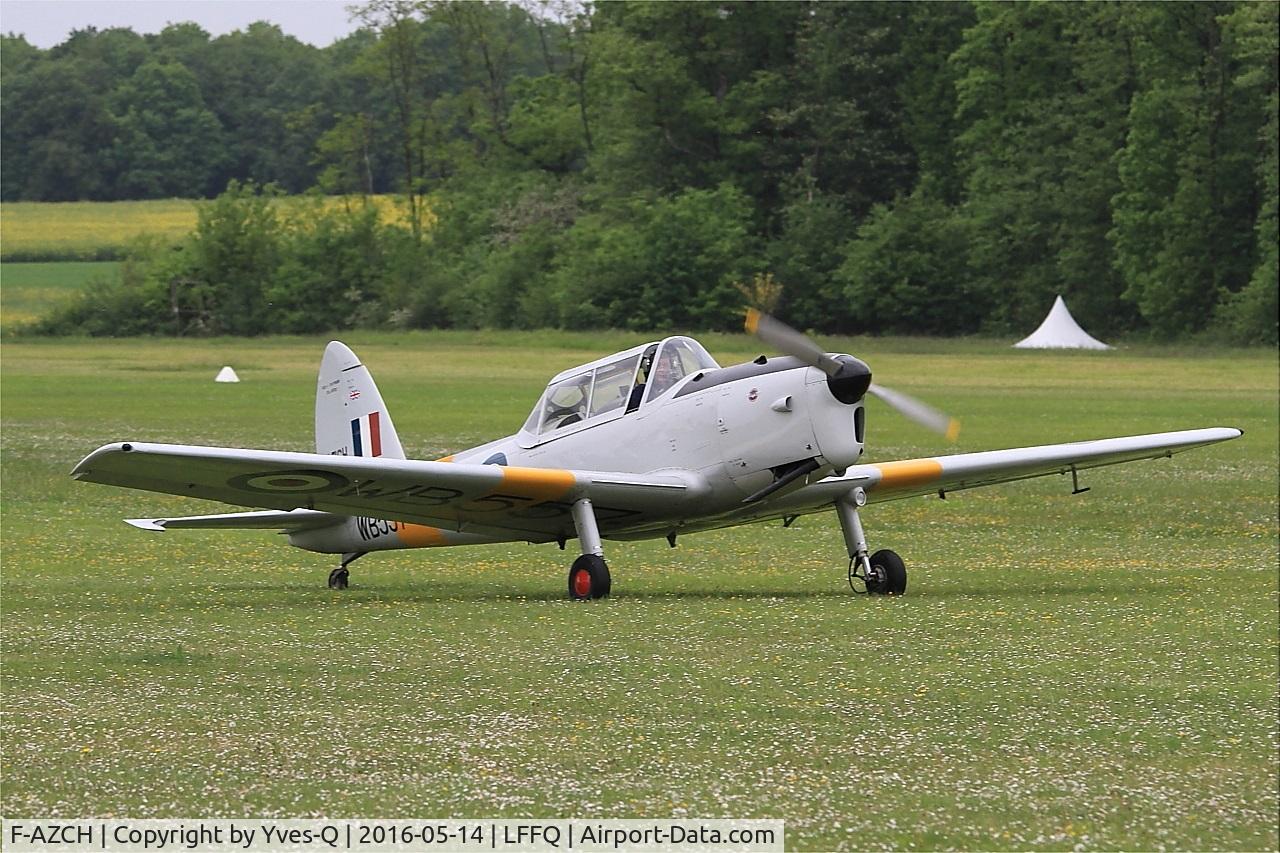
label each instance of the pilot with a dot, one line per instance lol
(666, 372)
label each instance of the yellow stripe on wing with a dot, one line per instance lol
(909, 472)
(543, 484)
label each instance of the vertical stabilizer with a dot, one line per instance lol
(351, 419)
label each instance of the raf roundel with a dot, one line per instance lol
(289, 482)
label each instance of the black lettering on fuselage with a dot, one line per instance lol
(376, 528)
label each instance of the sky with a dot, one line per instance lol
(46, 23)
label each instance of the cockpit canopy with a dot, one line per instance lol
(612, 387)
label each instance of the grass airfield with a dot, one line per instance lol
(1096, 670)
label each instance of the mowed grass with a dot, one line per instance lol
(29, 292)
(1094, 671)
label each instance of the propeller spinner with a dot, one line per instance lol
(848, 377)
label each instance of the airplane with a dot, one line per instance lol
(655, 441)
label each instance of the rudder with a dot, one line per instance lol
(351, 418)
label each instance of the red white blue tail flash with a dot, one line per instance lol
(366, 435)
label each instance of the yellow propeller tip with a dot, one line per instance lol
(753, 320)
(953, 430)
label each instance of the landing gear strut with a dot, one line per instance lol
(589, 574)
(881, 573)
(338, 577)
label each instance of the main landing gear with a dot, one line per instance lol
(882, 573)
(338, 577)
(589, 574)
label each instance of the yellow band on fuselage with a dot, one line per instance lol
(421, 536)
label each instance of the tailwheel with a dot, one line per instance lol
(338, 577)
(589, 578)
(888, 574)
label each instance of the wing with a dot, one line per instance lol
(909, 477)
(478, 498)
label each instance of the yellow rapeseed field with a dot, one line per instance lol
(87, 230)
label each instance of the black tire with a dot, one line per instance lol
(338, 578)
(589, 578)
(895, 574)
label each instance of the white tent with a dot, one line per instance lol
(1060, 331)
(226, 374)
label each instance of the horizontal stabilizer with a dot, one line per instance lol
(294, 520)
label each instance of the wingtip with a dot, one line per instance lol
(146, 523)
(752, 321)
(953, 430)
(85, 466)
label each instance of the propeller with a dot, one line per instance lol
(917, 411)
(846, 369)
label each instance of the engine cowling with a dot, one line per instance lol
(769, 424)
(838, 426)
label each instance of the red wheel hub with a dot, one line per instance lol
(582, 583)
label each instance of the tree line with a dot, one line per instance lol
(930, 168)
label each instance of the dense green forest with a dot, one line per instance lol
(932, 168)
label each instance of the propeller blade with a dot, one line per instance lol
(785, 339)
(916, 411)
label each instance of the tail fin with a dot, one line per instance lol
(351, 419)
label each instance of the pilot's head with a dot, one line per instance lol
(665, 372)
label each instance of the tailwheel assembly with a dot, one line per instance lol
(339, 577)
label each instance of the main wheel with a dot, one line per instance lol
(338, 578)
(889, 574)
(589, 578)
